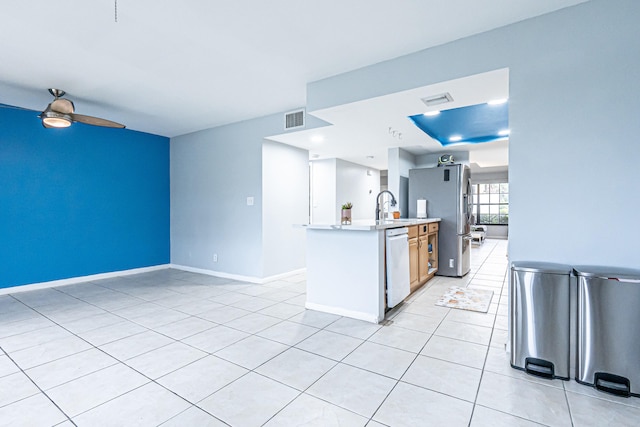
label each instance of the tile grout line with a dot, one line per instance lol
(286, 385)
(566, 398)
(123, 362)
(38, 387)
(151, 380)
(474, 404)
(475, 401)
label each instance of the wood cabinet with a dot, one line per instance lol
(423, 253)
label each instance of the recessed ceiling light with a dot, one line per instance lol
(431, 113)
(498, 101)
(504, 132)
(455, 138)
(317, 138)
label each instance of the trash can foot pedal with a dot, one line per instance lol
(614, 384)
(539, 367)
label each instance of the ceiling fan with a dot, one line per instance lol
(60, 113)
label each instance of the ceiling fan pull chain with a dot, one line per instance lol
(115, 10)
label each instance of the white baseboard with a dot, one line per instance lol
(343, 312)
(249, 279)
(284, 275)
(80, 279)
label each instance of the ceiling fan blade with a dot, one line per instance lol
(95, 121)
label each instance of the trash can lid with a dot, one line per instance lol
(541, 267)
(607, 272)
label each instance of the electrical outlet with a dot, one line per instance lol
(249, 201)
(451, 263)
(215, 257)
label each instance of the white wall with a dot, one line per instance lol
(400, 161)
(336, 182)
(354, 185)
(323, 191)
(573, 98)
(490, 175)
(497, 232)
(285, 182)
(212, 173)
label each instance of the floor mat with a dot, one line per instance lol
(466, 299)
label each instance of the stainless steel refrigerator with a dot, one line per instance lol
(447, 190)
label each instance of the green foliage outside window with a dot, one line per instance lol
(491, 203)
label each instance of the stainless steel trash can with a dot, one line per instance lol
(608, 354)
(540, 324)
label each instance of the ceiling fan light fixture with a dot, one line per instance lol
(56, 120)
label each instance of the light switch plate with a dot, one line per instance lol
(249, 201)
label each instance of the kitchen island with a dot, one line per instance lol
(346, 267)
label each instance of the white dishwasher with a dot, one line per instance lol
(397, 265)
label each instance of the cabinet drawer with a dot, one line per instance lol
(433, 227)
(413, 231)
(423, 229)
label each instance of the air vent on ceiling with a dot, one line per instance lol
(294, 119)
(437, 99)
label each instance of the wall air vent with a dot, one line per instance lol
(294, 119)
(437, 99)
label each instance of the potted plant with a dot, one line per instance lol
(346, 213)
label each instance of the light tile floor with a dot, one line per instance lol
(175, 348)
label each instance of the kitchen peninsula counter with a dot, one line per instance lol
(368, 225)
(346, 267)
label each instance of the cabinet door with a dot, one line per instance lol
(423, 258)
(413, 263)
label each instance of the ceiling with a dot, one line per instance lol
(475, 124)
(174, 67)
(362, 132)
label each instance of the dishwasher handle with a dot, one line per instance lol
(398, 232)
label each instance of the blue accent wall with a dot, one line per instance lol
(79, 201)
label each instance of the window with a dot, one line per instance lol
(491, 203)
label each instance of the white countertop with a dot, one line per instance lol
(369, 224)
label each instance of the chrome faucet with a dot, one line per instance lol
(393, 202)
